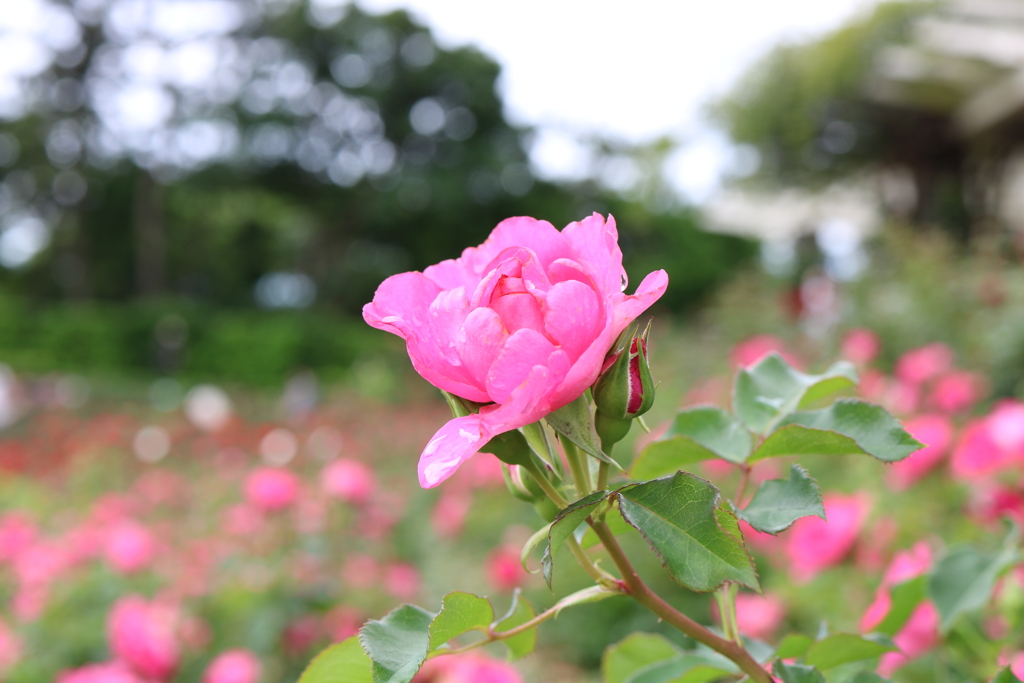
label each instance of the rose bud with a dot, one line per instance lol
(624, 390)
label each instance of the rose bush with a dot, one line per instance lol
(522, 323)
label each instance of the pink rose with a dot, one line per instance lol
(106, 672)
(860, 346)
(17, 533)
(957, 391)
(349, 480)
(815, 544)
(233, 666)
(402, 581)
(129, 547)
(750, 351)
(271, 489)
(936, 433)
(918, 635)
(504, 568)
(142, 635)
(523, 323)
(904, 566)
(757, 616)
(921, 364)
(467, 668)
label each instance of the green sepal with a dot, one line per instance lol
(575, 421)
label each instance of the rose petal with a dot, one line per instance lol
(414, 308)
(455, 443)
(573, 316)
(594, 244)
(479, 342)
(522, 231)
(649, 291)
(523, 350)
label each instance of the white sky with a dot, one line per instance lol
(629, 69)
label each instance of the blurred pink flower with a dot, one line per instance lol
(242, 519)
(522, 322)
(343, 622)
(936, 433)
(504, 568)
(752, 350)
(990, 444)
(991, 503)
(1006, 427)
(922, 364)
(129, 547)
(918, 635)
(904, 566)
(450, 511)
(360, 571)
(142, 634)
(956, 391)
(17, 533)
(861, 346)
(271, 488)
(815, 544)
(759, 616)
(349, 480)
(402, 581)
(467, 668)
(106, 672)
(233, 666)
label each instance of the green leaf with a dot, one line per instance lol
(398, 643)
(679, 517)
(842, 648)
(905, 597)
(565, 524)
(962, 580)
(635, 652)
(773, 388)
(689, 667)
(695, 434)
(531, 544)
(868, 677)
(518, 614)
(460, 613)
(780, 502)
(575, 421)
(794, 645)
(344, 662)
(797, 673)
(847, 427)
(1006, 676)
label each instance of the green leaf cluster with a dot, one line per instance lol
(392, 649)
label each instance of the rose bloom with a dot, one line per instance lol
(271, 489)
(860, 346)
(815, 544)
(522, 323)
(141, 634)
(233, 666)
(349, 480)
(936, 433)
(105, 672)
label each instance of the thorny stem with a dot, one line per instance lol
(579, 468)
(640, 592)
(744, 476)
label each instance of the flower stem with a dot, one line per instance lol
(579, 468)
(602, 475)
(640, 592)
(545, 484)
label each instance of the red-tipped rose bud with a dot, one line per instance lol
(624, 390)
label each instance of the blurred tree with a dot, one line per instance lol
(868, 97)
(275, 152)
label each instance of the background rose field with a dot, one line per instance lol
(208, 460)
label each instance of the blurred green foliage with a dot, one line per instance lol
(158, 232)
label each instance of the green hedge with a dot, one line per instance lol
(256, 348)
